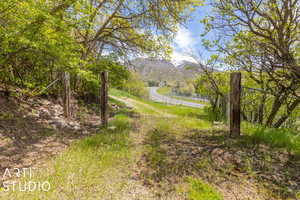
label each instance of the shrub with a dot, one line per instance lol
(214, 114)
(135, 86)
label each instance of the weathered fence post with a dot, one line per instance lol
(104, 98)
(66, 94)
(235, 103)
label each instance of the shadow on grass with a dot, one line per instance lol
(22, 135)
(90, 168)
(25, 140)
(214, 154)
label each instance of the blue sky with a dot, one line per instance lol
(188, 38)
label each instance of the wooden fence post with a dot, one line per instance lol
(235, 103)
(66, 94)
(104, 98)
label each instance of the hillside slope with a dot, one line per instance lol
(161, 70)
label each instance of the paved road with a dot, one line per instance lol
(154, 96)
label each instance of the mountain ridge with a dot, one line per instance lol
(152, 69)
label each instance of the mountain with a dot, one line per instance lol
(152, 69)
(188, 67)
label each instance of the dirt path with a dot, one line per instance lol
(137, 187)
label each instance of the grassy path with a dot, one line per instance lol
(103, 166)
(143, 108)
(155, 151)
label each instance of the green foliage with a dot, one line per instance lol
(135, 86)
(202, 191)
(118, 76)
(164, 90)
(153, 83)
(205, 87)
(41, 42)
(40, 39)
(288, 139)
(214, 114)
(247, 47)
(184, 88)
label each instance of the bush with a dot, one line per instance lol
(135, 86)
(214, 115)
(153, 83)
(186, 90)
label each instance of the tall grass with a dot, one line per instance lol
(274, 137)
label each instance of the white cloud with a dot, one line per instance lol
(183, 38)
(183, 44)
(178, 57)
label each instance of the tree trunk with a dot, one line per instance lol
(235, 103)
(224, 106)
(215, 103)
(104, 98)
(261, 109)
(286, 116)
(275, 108)
(244, 116)
(66, 95)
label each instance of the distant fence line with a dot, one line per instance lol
(193, 97)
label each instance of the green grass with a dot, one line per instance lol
(190, 100)
(199, 119)
(179, 110)
(86, 169)
(118, 103)
(172, 109)
(120, 93)
(164, 91)
(275, 137)
(189, 117)
(202, 191)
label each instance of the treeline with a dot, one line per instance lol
(261, 39)
(46, 43)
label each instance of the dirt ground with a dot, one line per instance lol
(35, 130)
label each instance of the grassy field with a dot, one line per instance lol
(99, 166)
(84, 171)
(164, 91)
(155, 151)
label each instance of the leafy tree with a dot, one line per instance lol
(261, 37)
